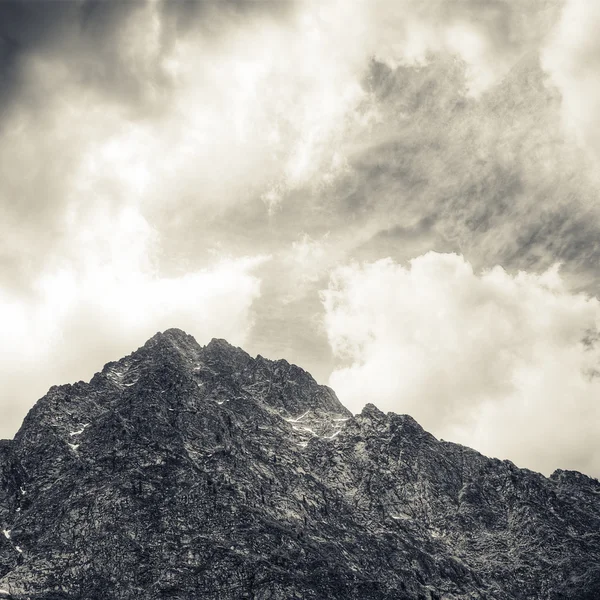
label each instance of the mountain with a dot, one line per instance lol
(191, 472)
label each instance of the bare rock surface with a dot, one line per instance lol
(191, 472)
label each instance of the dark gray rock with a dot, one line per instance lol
(190, 472)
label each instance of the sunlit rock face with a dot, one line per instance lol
(192, 472)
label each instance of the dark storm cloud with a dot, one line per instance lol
(78, 33)
(88, 37)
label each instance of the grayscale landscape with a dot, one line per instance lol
(368, 234)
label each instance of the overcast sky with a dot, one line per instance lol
(401, 196)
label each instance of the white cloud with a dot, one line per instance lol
(492, 360)
(572, 58)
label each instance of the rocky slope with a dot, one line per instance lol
(194, 472)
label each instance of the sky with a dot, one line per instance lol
(400, 196)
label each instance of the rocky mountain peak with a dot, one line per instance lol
(221, 345)
(171, 340)
(187, 471)
(370, 411)
(221, 354)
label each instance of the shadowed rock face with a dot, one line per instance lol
(193, 472)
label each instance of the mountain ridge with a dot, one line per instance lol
(188, 471)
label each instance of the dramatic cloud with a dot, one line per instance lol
(193, 124)
(214, 118)
(507, 364)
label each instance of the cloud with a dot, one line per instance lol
(196, 113)
(112, 47)
(105, 301)
(487, 37)
(222, 102)
(508, 364)
(182, 120)
(572, 58)
(521, 196)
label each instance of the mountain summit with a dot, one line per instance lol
(198, 472)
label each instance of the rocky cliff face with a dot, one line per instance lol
(195, 472)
